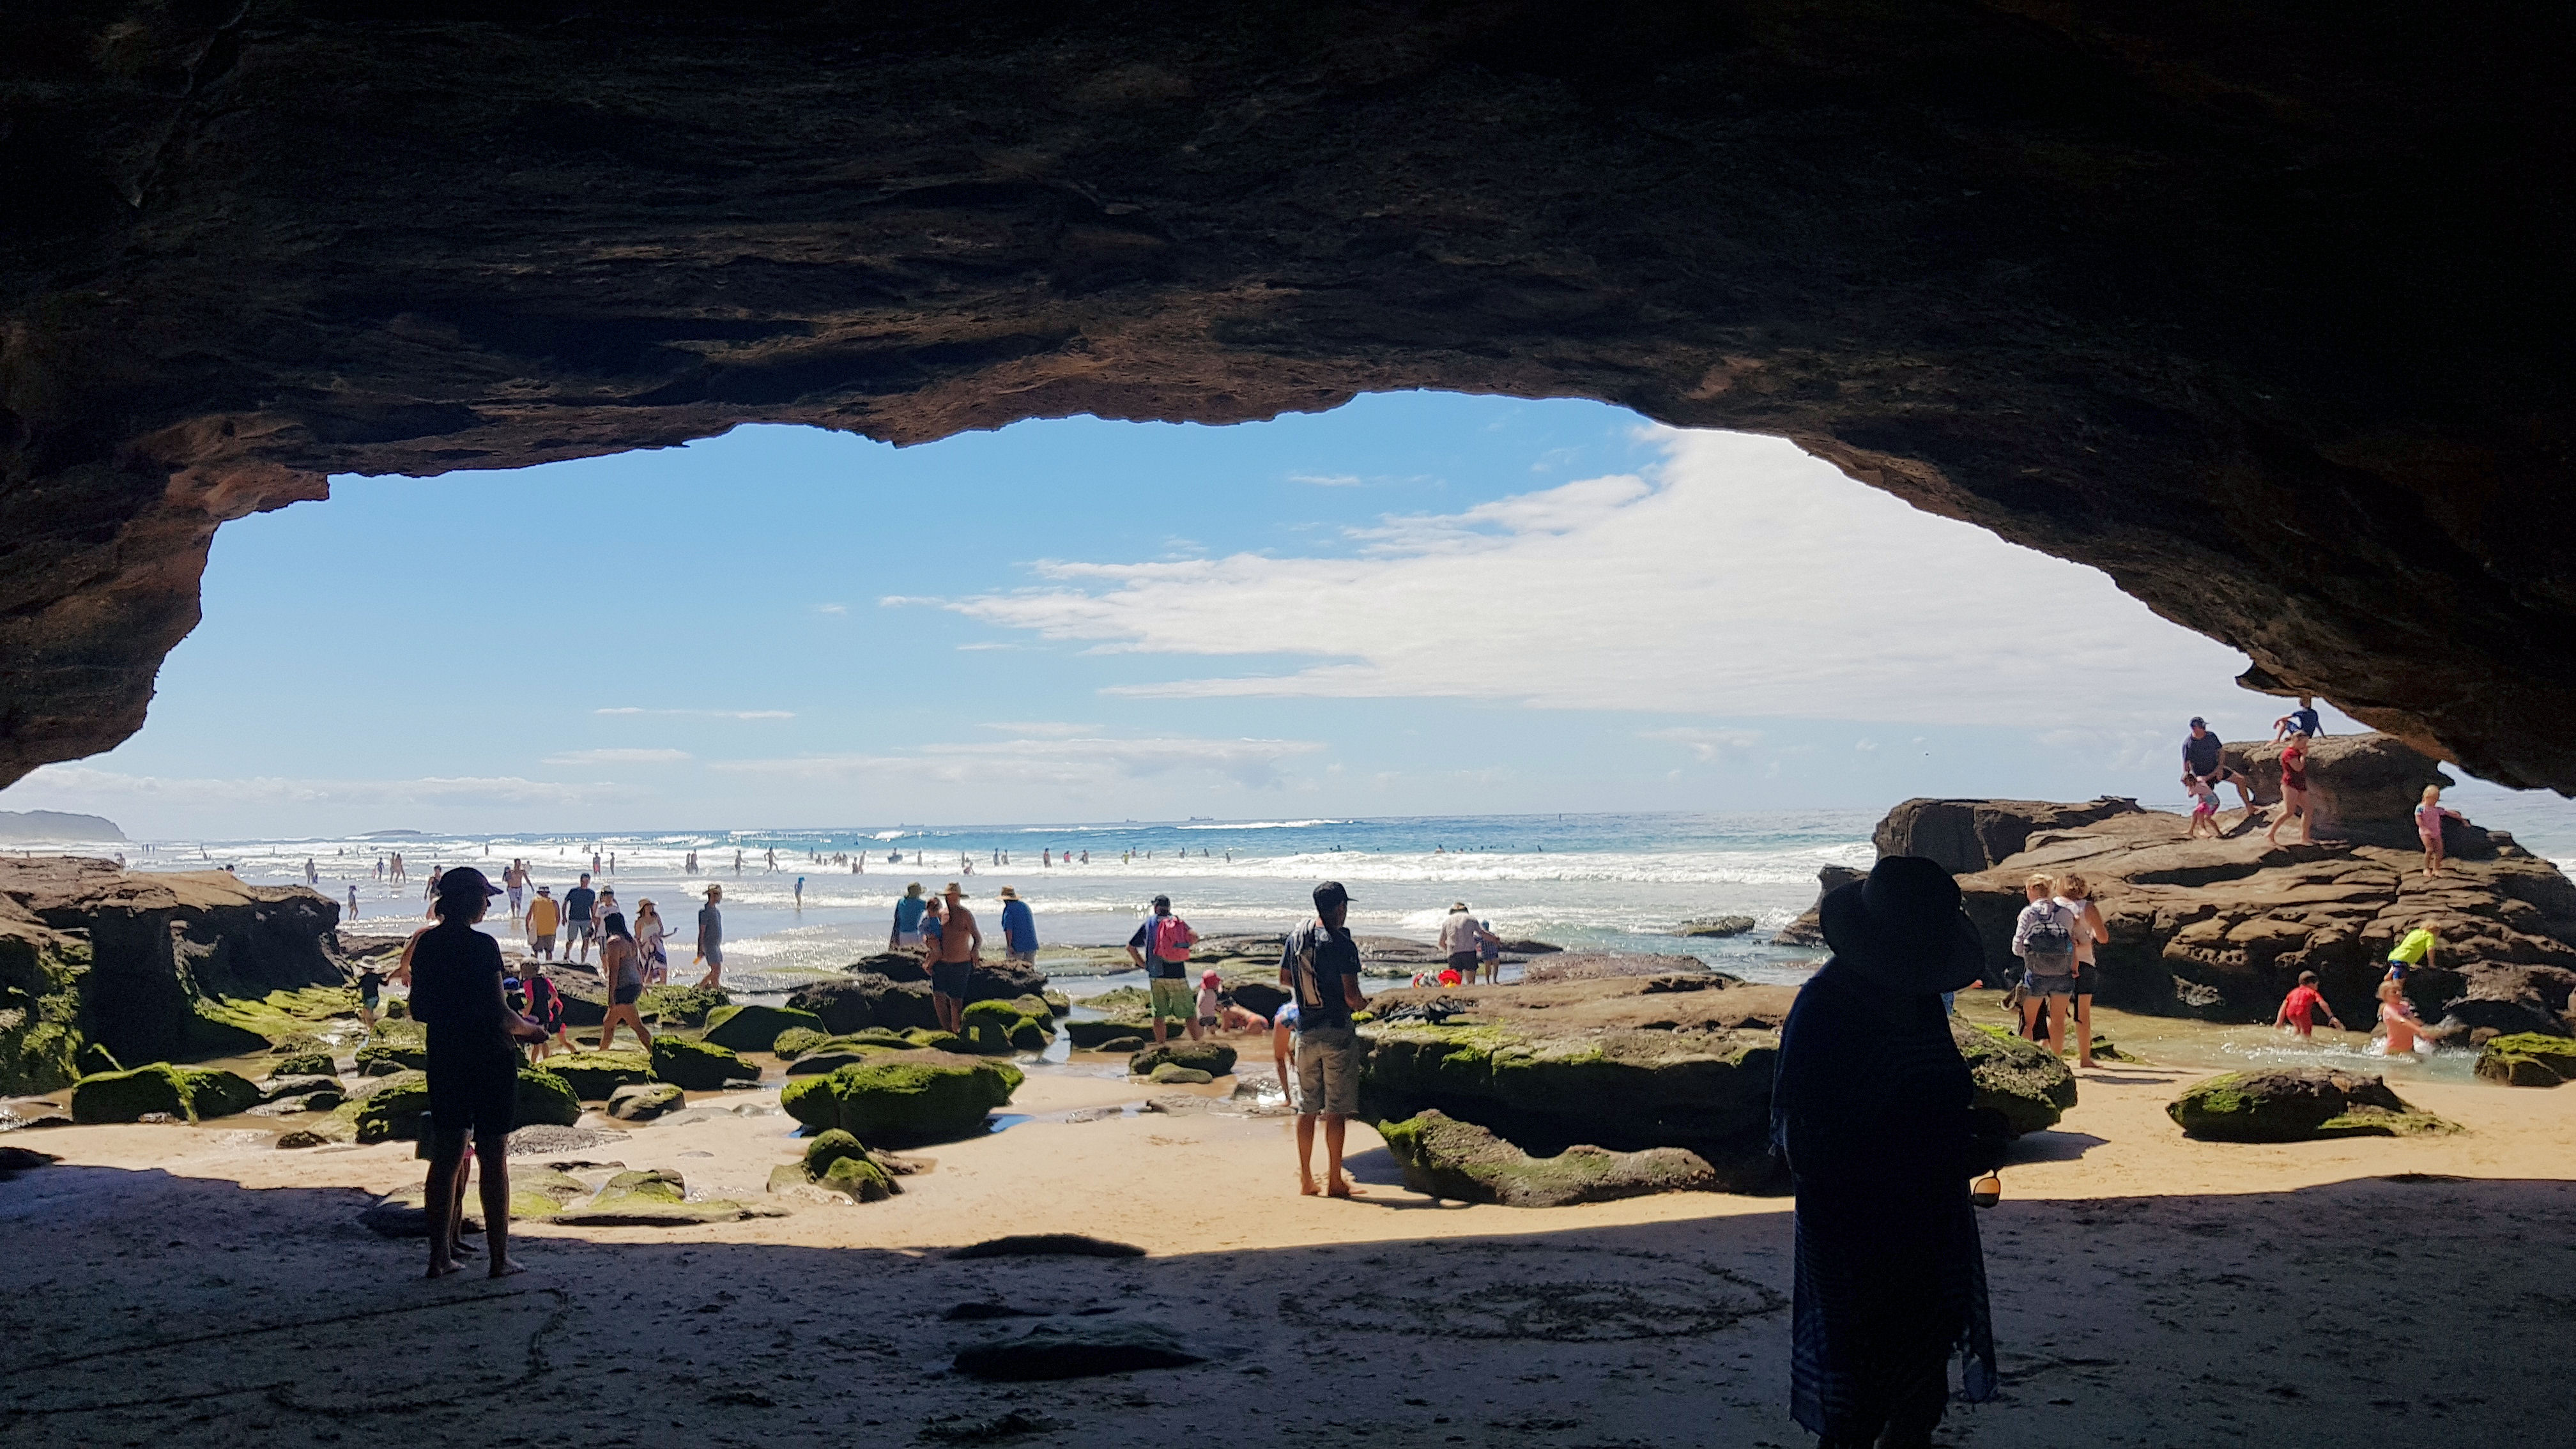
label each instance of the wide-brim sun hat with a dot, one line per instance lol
(954, 892)
(1009, 894)
(1903, 927)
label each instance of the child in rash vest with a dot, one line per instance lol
(2300, 1007)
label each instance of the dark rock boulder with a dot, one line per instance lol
(1002, 980)
(2360, 787)
(699, 1066)
(545, 1100)
(855, 1003)
(187, 1093)
(1463, 1162)
(1212, 1057)
(2528, 1060)
(644, 1101)
(1806, 930)
(594, 1076)
(1615, 965)
(2022, 1087)
(2297, 1104)
(1967, 836)
(305, 1064)
(1258, 994)
(1075, 1351)
(756, 1027)
(995, 1027)
(1715, 927)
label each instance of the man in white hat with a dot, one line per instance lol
(952, 967)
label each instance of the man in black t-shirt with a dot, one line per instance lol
(2201, 759)
(1321, 965)
(473, 1068)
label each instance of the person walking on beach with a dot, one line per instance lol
(543, 917)
(2428, 827)
(473, 1071)
(580, 918)
(516, 878)
(1319, 963)
(621, 968)
(711, 938)
(1019, 929)
(1458, 941)
(2044, 938)
(1871, 1111)
(353, 903)
(650, 943)
(2294, 792)
(961, 946)
(2300, 721)
(1161, 949)
(906, 934)
(2202, 760)
(2299, 1008)
(2075, 893)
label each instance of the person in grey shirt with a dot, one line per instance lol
(711, 937)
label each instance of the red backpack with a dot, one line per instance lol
(1172, 938)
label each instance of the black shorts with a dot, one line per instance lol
(2087, 976)
(950, 978)
(474, 1092)
(1464, 962)
(627, 994)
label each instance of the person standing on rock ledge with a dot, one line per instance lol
(1161, 949)
(952, 968)
(473, 1071)
(1871, 1112)
(2201, 760)
(1320, 965)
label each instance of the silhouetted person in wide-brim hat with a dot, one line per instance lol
(1871, 1111)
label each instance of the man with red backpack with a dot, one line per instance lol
(1161, 947)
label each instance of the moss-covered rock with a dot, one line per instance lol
(391, 1113)
(1173, 1074)
(188, 1093)
(594, 1075)
(652, 1184)
(931, 1039)
(233, 1024)
(277, 1089)
(861, 1179)
(546, 1100)
(795, 1041)
(1057, 1004)
(1121, 1046)
(42, 1046)
(2298, 1104)
(95, 1057)
(394, 1046)
(868, 998)
(699, 1066)
(2021, 1087)
(1212, 1057)
(830, 1147)
(644, 1101)
(1031, 1003)
(904, 1099)
(680, 1005)
(997, 1027)
(306, 1064)
(2528, 1059)
(1133, 1001)
(1463, 1162)
(755, 1028)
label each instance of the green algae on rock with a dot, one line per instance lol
(1092, 1036)
(1171, 1074)
(306, 1064)
(186, 1093)
(2528, 1059)
(545, 1100)
(644, 1101)
(755, 1028)
(2021, 1086)
(594, 1075)
(1463, 1162)
(795, 1041)
(2298, 1104)
(681, 1005)
(699, 1066)
(904, 1098)
(1214, 1058)
(996, 1027)
(654, 1198)
(394, 1046)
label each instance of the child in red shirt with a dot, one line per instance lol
(2299, 1008)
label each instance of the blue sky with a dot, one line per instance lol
(1417, 603)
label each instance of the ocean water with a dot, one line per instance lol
(1578, 880)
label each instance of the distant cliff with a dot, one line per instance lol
(49, 825)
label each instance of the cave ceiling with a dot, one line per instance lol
(2263, 310)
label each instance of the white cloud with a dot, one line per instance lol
(616, 757)
(1045, 728)
(831, 608)
(1707, 744)
(703, 713)
(103, 789)
(1326, 480)
(1740, 578)
(1072, 763)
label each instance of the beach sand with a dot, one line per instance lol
(197, 1286)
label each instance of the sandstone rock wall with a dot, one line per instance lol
(144, 964)
(2362, 787)
(2257, 309)
(1967, 836)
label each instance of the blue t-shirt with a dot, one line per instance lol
(577, 903)
(931, 931)
(2305, 721)
(1019, 926)
(907, 913)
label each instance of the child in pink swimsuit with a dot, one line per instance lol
(2428, 827)
(2405, 1029)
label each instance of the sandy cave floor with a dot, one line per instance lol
(168, 1284)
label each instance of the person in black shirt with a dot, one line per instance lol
(473, 1068)
(1321, 965)
(2201, 759)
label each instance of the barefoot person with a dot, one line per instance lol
(621, 967)
(580, 919)
(2075, 893)
(2299, 1008)
(1871, 1109)
(2300, 721)
(2201, 760)
(2044, 938)
(2428, 827)
(1320, 964)
(2294, 792)
(651, 942)
(543, 917)
(1161, 949)
(711, 938)
(473, 1071)
(1458, 937)
(952, 969)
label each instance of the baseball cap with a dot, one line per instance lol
(1331, 890)
(2198, 723)
(1162, 903)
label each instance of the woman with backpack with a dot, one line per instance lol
(2044, 939)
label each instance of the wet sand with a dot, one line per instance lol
(199, 1285)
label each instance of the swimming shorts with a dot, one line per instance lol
(1464, 963)
(1173, 1000)
(1328, 1071)
(2087, 976)
(578, 931)
(950, 978)
(542, 945)
(474, 1091)
(627, 994)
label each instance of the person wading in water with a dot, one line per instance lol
(1870, 1108)
(473, 1070)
